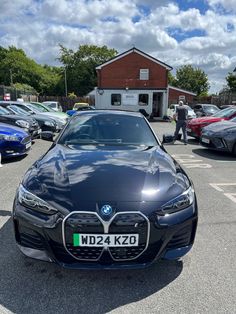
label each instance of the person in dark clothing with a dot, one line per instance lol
(181, 121)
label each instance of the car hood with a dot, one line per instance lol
(42, 117)
(220, 126)
(69, 177)
(203, 120)
(7, 129)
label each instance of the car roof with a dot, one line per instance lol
(112, 112)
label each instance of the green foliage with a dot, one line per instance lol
(24, 87)
(231, 81)
(16, 66)
(80, 66)
(192, 79)
(72, 95)
(171, 79)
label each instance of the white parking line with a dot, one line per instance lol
(216, 186)
(190, 162)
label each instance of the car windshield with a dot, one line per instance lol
(41, 108)
(108, 129)
(33, 108)
(52, 105)
(19, 110)
(225, 113)
(211, 108)
(4, 111)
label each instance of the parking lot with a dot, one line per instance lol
(203, 282)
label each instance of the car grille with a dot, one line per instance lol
(123, 223)
(26, 140)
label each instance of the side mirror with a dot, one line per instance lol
(167, 139)
(47, 136)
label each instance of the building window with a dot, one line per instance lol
(116, 99)
(144, 74)
(143, 99)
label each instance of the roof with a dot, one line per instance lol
(145, 55)
(182, 90)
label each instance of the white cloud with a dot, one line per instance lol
(208, 39)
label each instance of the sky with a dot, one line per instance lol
(198, 32)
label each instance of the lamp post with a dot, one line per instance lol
(65, 81)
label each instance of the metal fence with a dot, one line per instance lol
(16, 93)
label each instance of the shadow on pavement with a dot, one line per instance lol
(213, 154)
(13, 159)
(28, 286)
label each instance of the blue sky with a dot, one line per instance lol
(197, 32)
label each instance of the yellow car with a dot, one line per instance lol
(80, 104)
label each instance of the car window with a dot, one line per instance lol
(41, 108)
(4, 111)
(225, 113)
(17, 109)
(108, 129)
(233, 120)
(211, 108)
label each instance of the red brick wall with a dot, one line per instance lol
(124, 72)
(174, 96)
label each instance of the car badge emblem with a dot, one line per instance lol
(106, 210)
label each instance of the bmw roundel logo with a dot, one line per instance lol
(106, 210)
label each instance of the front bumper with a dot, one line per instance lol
(216, 143)
(14, 149)
(41, 236)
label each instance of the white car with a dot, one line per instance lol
(55, 105)
(171, 111)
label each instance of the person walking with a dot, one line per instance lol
(181, 117)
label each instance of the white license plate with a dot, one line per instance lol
(28, 145)
(105, 240)
(39, 131)
(189, 130)
(205, 140)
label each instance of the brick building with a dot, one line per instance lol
(134, 80)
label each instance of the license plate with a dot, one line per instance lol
(105, 240)
(205, 140)
(189, 130)
(28, 145)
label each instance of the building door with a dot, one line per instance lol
(157, 104)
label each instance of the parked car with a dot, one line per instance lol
(194, 126)
(220, 136)
(55, 105)
(82, 108)
(60, 117)
(19, 108)
(205, 110)
(50, 112)
(14, 141)
(80, 104)
(27, 123)
(144, 210)
(171, 112)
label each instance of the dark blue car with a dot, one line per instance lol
(106, 195)
(13, 141)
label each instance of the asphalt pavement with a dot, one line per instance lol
(204, 281)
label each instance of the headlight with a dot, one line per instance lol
(180, 202)
(9, 138)
(49, 123)
(23, 124)
(34, 202)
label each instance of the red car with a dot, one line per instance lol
(194, 126)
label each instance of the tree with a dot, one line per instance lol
(231, 81)
(81, 66)
(192, 79)
(16, 67)
(171, 79)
